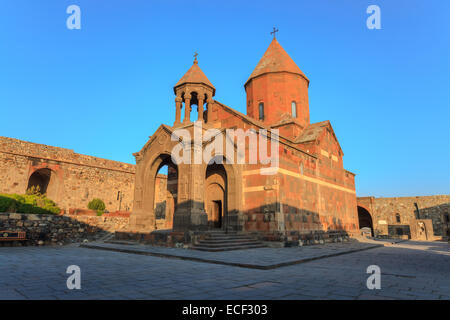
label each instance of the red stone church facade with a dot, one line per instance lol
(310, 192)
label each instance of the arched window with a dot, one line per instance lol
(261, 111)
(397, 217)
(294, 109)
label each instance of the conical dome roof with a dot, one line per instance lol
(275, 59)
(195, 75)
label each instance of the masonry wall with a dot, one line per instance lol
(75, 178)
(277, 91)
(383, 211)
(311, 192)
(305, 195)
(45, 229)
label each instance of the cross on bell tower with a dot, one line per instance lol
(274, 32)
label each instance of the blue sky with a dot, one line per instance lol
(104, 89)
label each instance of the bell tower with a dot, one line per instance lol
(194, 88)
(277, 90)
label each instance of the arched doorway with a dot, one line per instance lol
(40, 179)
(365, 219)
(165, 193)
(216, 199)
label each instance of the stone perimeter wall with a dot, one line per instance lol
(435, 209)
(64, 229)
(75, 178)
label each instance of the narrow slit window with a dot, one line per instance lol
(261, 111)
(294, 109)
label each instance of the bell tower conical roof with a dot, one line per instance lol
(194, 88)
(275, 59)
(194, 75)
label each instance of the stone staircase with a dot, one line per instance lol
(104, 236)
(220, 241)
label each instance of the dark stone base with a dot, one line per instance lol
(172, 238)
(293, 238)
(166, 238)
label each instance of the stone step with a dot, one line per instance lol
(106, 236)
(227, 240)
(122, 242)
(229, 244)
(214, 235)
(217, 233)
(242, 247)
(222, 241)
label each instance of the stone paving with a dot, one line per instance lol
(261, 258)
(409, 270)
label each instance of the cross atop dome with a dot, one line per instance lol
(274, 32)
(195, 57)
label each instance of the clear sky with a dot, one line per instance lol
(103, 89)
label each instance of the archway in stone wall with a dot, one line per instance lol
(216, 199)
(226, 178)
(47, 181)
(40, 179)
(365, 219)
(165, 192)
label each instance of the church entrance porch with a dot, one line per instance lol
(217, 214)
(216, 195)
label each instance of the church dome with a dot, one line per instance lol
(275, 59)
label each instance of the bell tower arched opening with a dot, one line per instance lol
(193, 88)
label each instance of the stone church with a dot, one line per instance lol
(307, 195)
(309, 192)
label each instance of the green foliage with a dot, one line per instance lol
(34, 190)
(28, 203)
(97, 205)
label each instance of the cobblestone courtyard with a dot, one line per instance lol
(409, 270)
